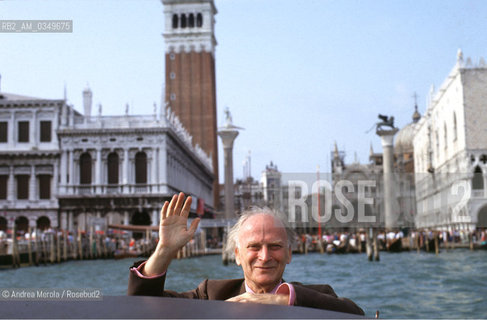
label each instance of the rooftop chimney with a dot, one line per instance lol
(87, 101)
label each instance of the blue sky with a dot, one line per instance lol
(298, 75)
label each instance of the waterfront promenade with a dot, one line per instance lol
(55, 246)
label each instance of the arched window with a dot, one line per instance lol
(22, 224)
(199, 20)
(140, 218)
(85, 168)
(175, 21)
(191, 20)
(478, 179)
(43, 223)
(3, 224)
(141, 168)
(112, 163)
(454, 127)
(183, 21)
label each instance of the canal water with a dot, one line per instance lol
(401, 285)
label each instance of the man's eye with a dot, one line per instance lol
(254, 247)
(275, 246)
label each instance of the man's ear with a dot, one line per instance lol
(237, 258)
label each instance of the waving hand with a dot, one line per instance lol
(173, 234)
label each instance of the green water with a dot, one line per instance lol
(404, 285)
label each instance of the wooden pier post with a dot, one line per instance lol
(29, 247)
(80, 244)
(43, 256)
(37, 247)
(376, 247)
(470, 240)
(52, 256)
(437, 246)
(306, 245)
(147, 241)
(15, 249)
(417, 241)
(203, 241)
(358, 241)
(105, 249)
(65, 245)
(445, 240)
(74, 247)
(368, 244)
(90, 243)
(58, 247)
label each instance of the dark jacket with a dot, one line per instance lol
(314, 296)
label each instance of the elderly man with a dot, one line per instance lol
(262, 248)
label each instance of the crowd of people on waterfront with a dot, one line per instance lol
(49, 244)
(354, 242)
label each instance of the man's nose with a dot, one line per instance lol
(264, 253)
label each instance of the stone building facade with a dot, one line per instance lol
(100, 169)
(450, 151)
(29, 158)
(353, 183)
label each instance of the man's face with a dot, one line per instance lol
(263, 252)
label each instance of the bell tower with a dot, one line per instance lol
(190, 72)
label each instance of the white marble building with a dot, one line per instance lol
(29, 157)
(450, 151)
(103, 169)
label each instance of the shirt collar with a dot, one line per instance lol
(247, 288)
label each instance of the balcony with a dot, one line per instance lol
(110, 189)
(478, 193)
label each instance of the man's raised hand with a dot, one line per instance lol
(173, 231)
(173, 234)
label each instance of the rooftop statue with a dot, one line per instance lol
(228, 118)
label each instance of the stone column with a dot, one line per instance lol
(387, 139)
(54, 182)
(98, 171)
(155, 217)
(32, 184)
(228, 135)
(64, 172)
(125, 174)
(11, 185)
(11, 138)
(70, 221)
(153, 173)
(71, 169)
(162, 168)
(71, 117)
(64, 220)
(33, 132)
(126, 219)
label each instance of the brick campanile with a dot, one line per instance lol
(190, 72)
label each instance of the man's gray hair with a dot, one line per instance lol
(232, 239)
